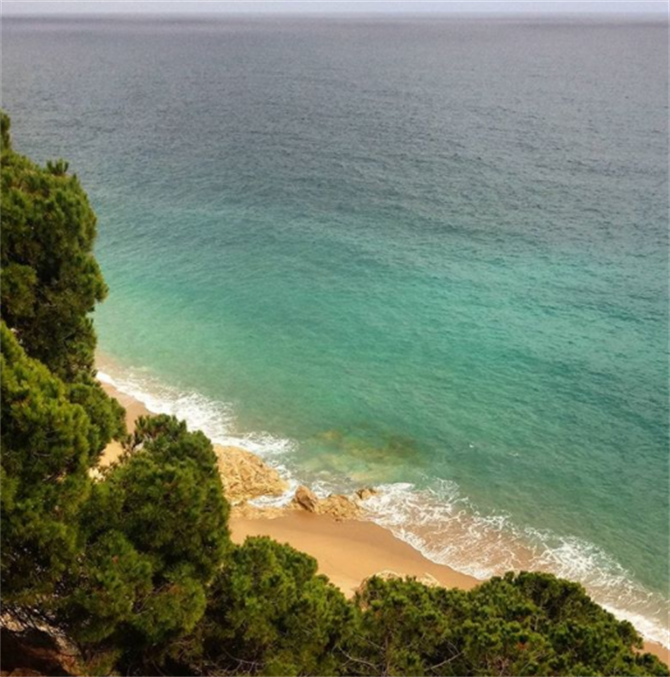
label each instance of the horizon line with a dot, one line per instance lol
(202, 16)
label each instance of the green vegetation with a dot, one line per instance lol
(50, 281)
(525, 624)
(155, 533)
(268, 613)
(47, 448)
(135, 567)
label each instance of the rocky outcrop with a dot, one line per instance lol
(340, 507)
(32, 652)
(428, 579)
(248, 511)
(245, 476)
(385, 575)
(306, 499)
(336, 505)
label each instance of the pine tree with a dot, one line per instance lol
(50, 281)
(48, 445)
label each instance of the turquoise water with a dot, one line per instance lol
(427, 255)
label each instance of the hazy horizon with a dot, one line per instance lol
(655, 9)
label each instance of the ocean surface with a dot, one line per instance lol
(430, 255)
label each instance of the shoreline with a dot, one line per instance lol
(328, 539)
(331, 543)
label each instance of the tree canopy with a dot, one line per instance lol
(50, 278)
(520, 624)
(269, 613)
(48, 445)
(50, 281)
(155, 533)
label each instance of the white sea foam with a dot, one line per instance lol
(215, 419)
(448, 529)
(438, 521)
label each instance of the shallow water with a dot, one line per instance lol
(429, 255)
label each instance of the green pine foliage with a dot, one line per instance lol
(269, 613)
(50, 280)
(5, 124)
(525, 624)
(156, 533)
(47, 449)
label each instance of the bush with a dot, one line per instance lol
(46, 454)
(156, 533)
(268, 613)
(525, 624)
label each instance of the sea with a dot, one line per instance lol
(424, 254)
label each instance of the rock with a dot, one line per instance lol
(306, 499)
(385, 575)
(331, 436)
(336, 505)
(244, 475)
(340, 507)
(31, 652)
(365, 493)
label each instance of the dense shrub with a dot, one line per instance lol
(46, 453)
(156, 532)
(269, 613)
(525, 624)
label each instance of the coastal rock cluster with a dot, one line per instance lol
(245, 476)
(339, 506)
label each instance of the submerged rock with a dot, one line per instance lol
(365, 493)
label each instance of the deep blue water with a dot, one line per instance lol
(431, 255)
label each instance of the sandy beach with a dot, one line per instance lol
(347, 551)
